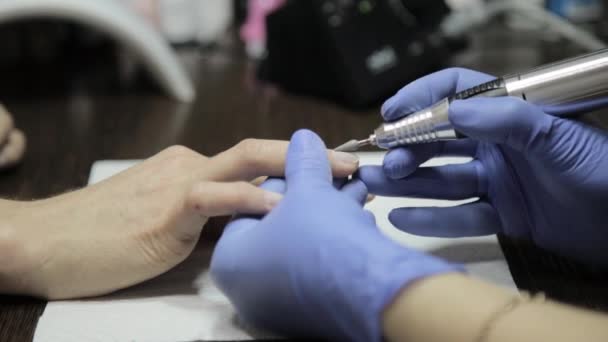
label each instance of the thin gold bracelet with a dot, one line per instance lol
(510, 306)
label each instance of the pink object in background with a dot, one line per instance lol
(253, 31)
(148, 9)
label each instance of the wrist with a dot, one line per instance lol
(387, 269)
(465, 302)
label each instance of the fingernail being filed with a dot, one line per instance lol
(347, 159)
(271, 199)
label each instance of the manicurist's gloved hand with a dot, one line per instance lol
(539, 177)
(316, 265)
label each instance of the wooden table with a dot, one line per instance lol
(77, 125)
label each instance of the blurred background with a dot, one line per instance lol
(116, 79)
(89, 80)
(353, 53)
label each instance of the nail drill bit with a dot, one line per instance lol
(355, 145)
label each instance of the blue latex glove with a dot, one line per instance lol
(539, 177)
(316, 266)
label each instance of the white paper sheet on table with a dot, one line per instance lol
(183, 304)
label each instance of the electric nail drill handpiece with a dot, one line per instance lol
(571, 85)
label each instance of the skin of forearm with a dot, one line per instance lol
(447, 307)
(550, 321)
(454, 307)
(14, 248)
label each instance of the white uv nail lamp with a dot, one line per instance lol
(113, 18)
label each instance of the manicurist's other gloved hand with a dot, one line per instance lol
(316, 265)
(538, 176)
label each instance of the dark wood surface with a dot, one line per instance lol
(70, 129)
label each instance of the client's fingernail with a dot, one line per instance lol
(272, 199)
(346, 158)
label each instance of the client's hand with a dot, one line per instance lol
(137, 224)
(316, 265)
(12, 141)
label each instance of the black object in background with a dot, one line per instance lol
(355, 52)
(240, 8)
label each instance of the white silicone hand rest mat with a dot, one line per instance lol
(183, 304)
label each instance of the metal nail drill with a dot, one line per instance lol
(571, 85)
